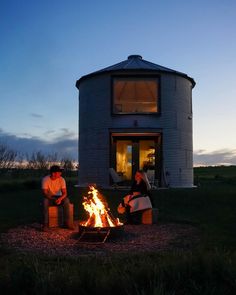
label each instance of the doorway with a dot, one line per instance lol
(137, 152)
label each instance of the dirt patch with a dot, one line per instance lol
(135, 238)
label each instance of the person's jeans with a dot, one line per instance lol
(66, 210)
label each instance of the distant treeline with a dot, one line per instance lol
(11, 160)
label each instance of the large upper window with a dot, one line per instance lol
(135, 95)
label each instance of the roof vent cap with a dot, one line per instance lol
(135, 56)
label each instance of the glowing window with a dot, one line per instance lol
(135, 95)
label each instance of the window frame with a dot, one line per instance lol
(136, 76)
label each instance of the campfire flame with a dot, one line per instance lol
(99, 213)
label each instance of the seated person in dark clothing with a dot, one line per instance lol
(137, 200)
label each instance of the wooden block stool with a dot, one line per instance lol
(56, 217)
(149, 216)
(71, 214)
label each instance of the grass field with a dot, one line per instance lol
(208, 269)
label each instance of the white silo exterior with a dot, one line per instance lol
(136, 115)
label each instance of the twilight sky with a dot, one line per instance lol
(46, 45)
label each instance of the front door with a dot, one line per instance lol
(132, 153)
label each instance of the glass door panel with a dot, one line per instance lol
(124, 158)
(132, 153)
(147, 155)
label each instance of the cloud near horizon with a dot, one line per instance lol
(214, 158)
(35, 115)
(65, 145)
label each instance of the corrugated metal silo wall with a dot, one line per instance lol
(94, 116)
(177, 130)
(175, 121)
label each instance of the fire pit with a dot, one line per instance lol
(100, 223)
(98, 234)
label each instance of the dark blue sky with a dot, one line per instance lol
(47, 45)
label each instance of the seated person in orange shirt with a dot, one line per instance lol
(55, 193)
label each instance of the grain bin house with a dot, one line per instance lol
(136, 115)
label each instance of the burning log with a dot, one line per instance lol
(99, 212)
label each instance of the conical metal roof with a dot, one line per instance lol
(135, 62)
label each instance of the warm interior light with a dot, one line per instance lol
(99, 213)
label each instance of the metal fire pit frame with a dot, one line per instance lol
(88, 233)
